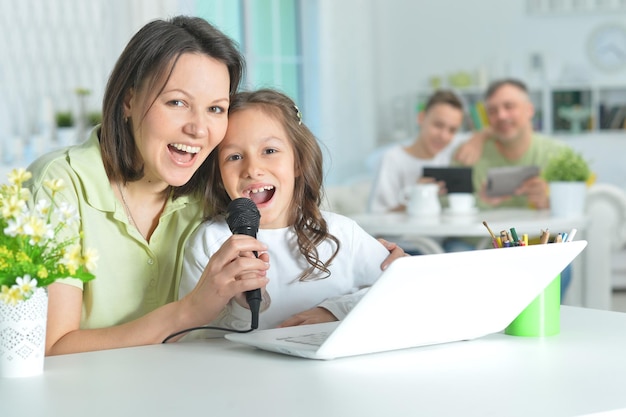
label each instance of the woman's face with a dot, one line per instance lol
(184, 122)
(257, 161)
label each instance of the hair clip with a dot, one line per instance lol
(298, 114)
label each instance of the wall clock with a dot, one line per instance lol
(607, 47)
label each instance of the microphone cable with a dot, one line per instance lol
(191, 329)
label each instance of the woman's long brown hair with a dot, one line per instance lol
(146, 64)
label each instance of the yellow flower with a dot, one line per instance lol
(38, 230)
(22, 257)
(42, 272)
(54, 185)
(19, 175)
(11, 295)
(12, 206)
(72, 259)
(35, 250)
(89, 259)
(5, 252)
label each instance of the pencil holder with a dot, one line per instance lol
(542, 317)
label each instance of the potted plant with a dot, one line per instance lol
(567, 174)
(65, 131)
(34, 253)
(64, 119)
(94, 118)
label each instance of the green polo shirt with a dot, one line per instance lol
(539, 152)
(133, 277)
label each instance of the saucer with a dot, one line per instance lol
(450, 212)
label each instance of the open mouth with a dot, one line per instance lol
(260, 195)
(183, 153)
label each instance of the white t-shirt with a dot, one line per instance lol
(396, 172)
(356, 267)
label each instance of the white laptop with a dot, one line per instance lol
(429, 299)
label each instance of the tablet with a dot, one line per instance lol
(457, 179)
(503, 181)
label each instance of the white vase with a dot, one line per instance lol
(23, 336)
(567, 199)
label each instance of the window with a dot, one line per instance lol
(267, 32)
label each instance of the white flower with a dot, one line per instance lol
(90, 258)
(71, 258)
(14, 227)
(12, 206)
(38, 230)
(26, 285)
(34, 249)
(43, 207)
(67, 213)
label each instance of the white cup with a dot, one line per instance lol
(461, 202)
(423, 200)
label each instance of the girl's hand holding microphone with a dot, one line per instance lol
(231, 271)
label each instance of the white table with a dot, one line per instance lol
(524, 221)
(587, 289)
(580, 371)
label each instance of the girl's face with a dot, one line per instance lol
(184, 122)
(256, 161)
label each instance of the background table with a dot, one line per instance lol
(582, 370)
(589, 287)
(524, 221)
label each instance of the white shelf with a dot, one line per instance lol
(598, 99)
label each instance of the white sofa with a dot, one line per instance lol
(606, 233)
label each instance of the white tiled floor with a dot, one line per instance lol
(619, 301)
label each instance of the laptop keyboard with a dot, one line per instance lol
(314, 339)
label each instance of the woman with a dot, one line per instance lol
(137, 186)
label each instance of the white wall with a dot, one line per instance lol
(419, 38)
(48, 49)
(409, 41)
(346, 74)
(369, 56)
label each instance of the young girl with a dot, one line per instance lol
(321, 262)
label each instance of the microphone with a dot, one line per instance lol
(242, 217)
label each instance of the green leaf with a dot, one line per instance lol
(567, 165)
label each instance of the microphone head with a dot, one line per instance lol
(243, 216)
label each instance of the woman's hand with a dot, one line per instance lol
(312, 316)
(395, 253)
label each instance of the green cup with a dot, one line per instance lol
(542, 317)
